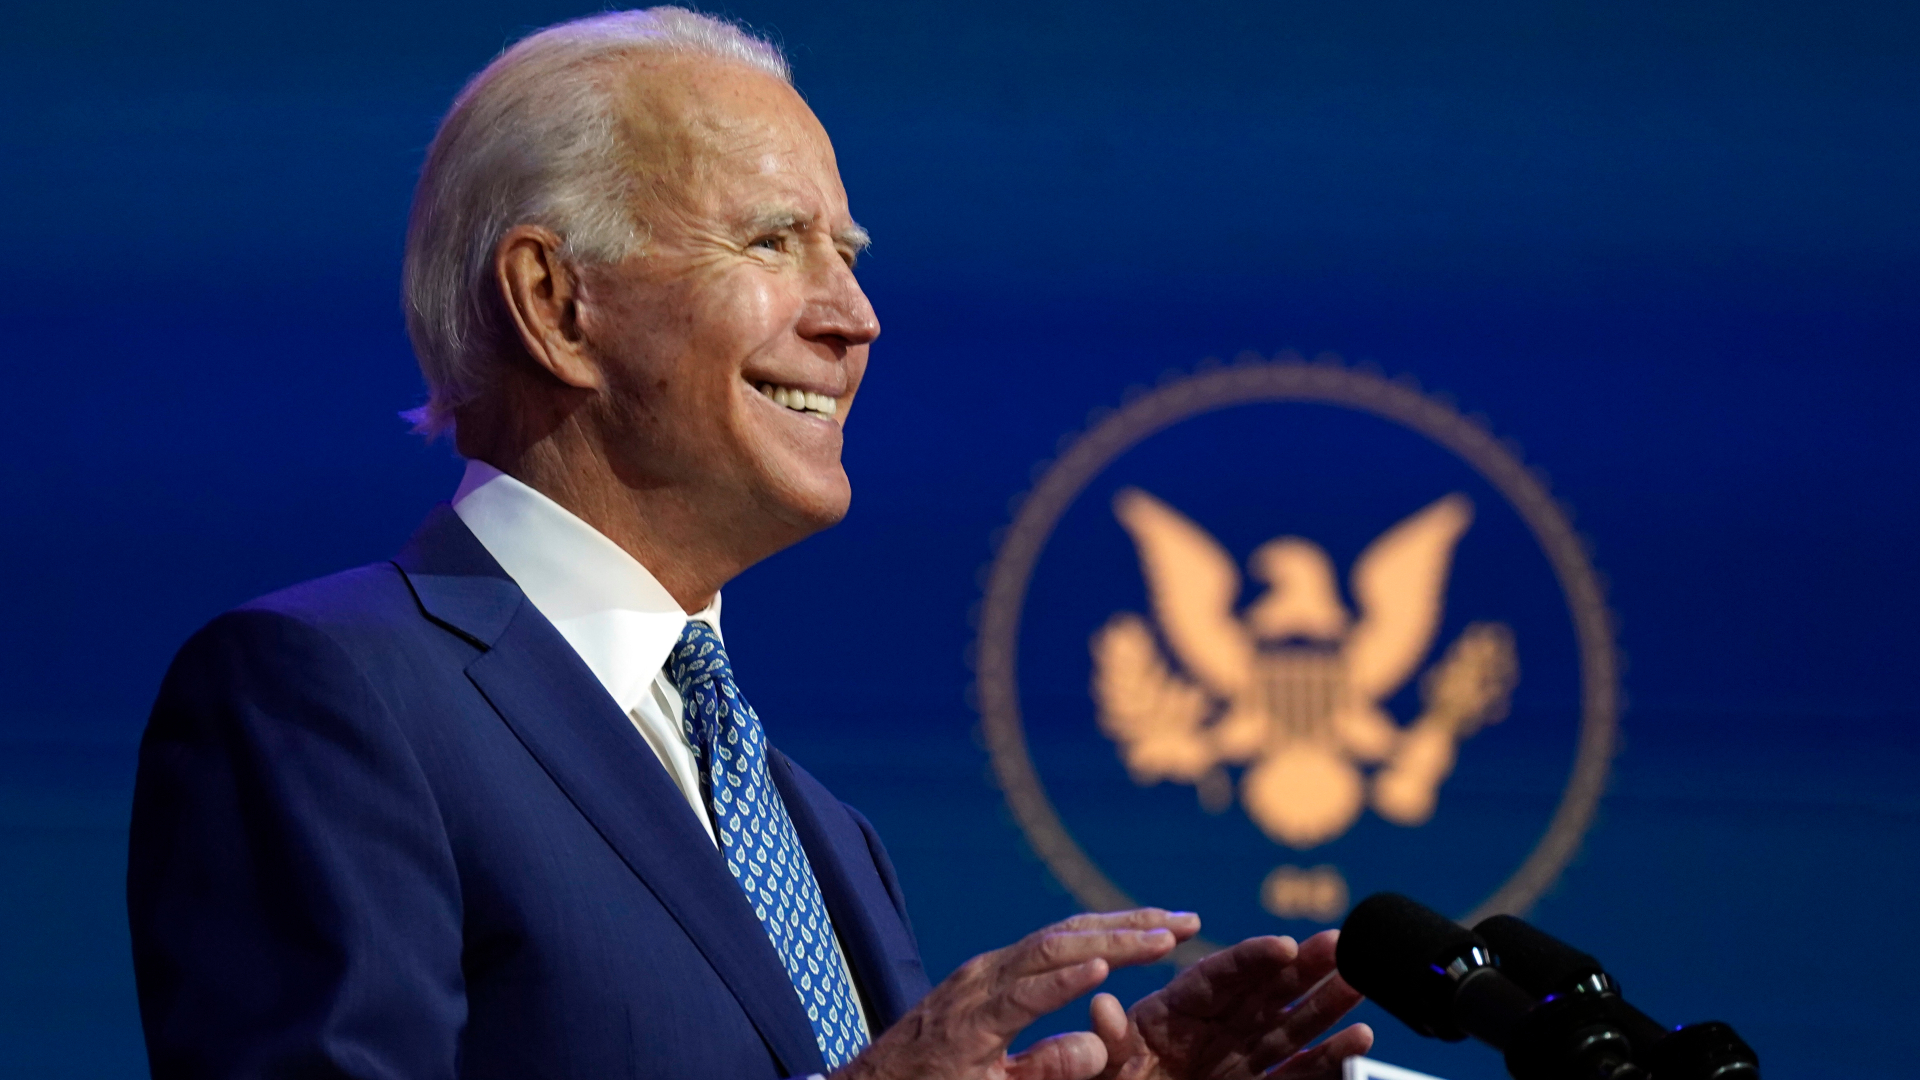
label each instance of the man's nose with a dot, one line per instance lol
(840, 309)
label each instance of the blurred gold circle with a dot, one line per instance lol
(1288, 379)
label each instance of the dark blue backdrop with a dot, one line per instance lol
(1671, 248)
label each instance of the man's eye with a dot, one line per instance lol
(774, 242)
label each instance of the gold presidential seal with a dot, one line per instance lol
(1285, 702)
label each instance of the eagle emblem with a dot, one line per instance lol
(1292, 688)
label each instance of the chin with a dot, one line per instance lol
(813, 506)
(828, 512)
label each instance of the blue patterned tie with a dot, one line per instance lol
(757, 838)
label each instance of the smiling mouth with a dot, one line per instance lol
(800, 401)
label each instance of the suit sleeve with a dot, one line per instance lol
(294, 904)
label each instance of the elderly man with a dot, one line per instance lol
(499, 808)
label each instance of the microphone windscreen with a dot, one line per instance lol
(1541, 963)
(1396, 951)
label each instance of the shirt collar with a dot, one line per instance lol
(615, 614)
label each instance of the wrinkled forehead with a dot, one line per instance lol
(696, 122)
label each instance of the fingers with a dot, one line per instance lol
(1256, 1004)
(1052, 966)
(994, 996)
(1323, 1061)
(1315, 962)
(1302, 975)
(1223, 980)
(1033, 996)
(1319, 1009)
(1107, 1019)
(1074, 1056)
(1126, 1052)
(1319, 949)
(1183, 924)
(1055, 949)
(1323, 1006)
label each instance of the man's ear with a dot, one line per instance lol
(542, 294)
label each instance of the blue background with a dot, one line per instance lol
(1671, 248)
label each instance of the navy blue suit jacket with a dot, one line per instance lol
(389, 826)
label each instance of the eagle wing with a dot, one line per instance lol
(1193, 586)
(1154, 715)
(1400, 585)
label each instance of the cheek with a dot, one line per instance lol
(744, 314)
(856, 367)
(642, 337)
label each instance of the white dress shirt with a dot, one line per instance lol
(620, 620)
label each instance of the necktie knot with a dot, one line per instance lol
(698, 658)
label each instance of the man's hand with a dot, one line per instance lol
(962, 1029)
(1236, 1015)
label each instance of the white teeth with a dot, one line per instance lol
(798, 400)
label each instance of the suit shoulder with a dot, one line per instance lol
(365, 608)
(354, 641)
(374, 591)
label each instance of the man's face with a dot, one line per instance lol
(732, 344)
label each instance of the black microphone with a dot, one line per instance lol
(1439, 979)
(1434, 975)
(1545, 966)
(1548, 967)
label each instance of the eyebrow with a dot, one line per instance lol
(778, 220)
(854, 237)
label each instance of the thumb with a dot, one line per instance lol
(1078, 1055)
(1108, 1019)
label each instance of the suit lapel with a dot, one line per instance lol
(562, 715)
(862, 912)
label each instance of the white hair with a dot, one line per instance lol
(532, 140)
